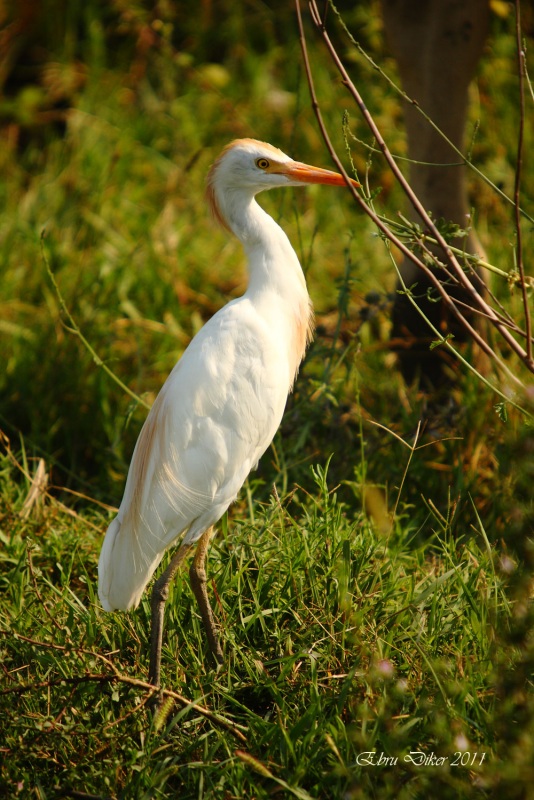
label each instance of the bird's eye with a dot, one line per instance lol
(262, 163)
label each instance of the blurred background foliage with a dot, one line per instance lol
(110, 115)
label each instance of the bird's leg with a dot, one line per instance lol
(160, 593)
(197, 575)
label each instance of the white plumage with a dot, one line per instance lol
(223, 402)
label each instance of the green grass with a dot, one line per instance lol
(373, 581)
(337, 642)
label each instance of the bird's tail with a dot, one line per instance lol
(123, 570)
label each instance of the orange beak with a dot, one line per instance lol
(303, 173)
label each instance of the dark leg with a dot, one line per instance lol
(160, 593)
(197, 574)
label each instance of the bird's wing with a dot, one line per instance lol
(214, 417)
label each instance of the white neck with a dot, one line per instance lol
(276, 281)
(272, 261)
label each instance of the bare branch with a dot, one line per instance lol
(454, 268)
(117, 676)
(518, 172)
(448, 300)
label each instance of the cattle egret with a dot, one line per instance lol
(220, 407)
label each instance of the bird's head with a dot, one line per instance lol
(252, 166)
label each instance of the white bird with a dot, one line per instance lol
(221, 406)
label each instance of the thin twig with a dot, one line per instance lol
(421, 211)
(75, 329)
(472, 259)
(217, 719)
(512, 326)
(518, 173)
(413, 448)
(455, 266)
(87, 678)
(465, 160)
(475, 335)
(82, 496)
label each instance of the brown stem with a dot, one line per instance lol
(518, 172)
(462, 278)
(117, 675)
(484, 346)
